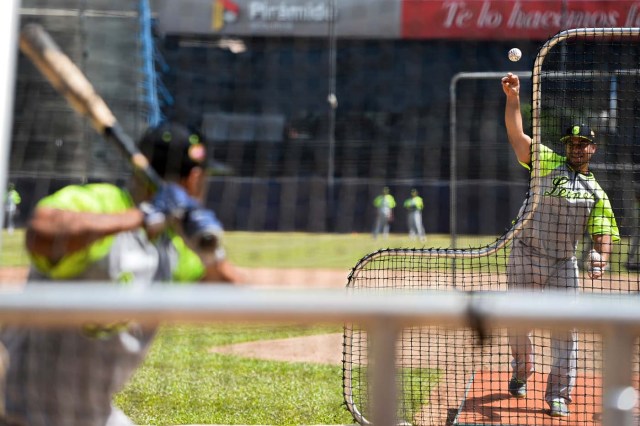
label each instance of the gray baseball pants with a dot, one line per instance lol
(528, 271)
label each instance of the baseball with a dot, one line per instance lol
(595, 271)
(515, 54)
(594, 256)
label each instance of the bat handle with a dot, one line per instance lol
(129, 149)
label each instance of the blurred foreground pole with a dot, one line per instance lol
(9, 19)
(620, 398)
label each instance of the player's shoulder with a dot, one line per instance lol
(92, 197)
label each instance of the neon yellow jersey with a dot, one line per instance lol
(188, 266)
(384, 201)
(570, 203)
(14, 197)
(414, 203)
(93, 198)
(184, 264)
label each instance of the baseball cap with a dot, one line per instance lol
(579, 131)
(173, 150)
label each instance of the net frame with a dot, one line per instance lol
(412, 269)
(453, 140)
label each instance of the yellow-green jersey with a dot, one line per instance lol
(123, 257)
(13, 198)
(385, 204)
(414, 203)
(68, 377)
(571, 203)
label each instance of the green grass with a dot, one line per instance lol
(330, 251)
(181, 382)
(12, 250)
(325, 251)
(284, 249)
(416, 386)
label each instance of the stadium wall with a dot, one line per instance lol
(391, 123)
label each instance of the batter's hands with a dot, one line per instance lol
(201, 227)
(154, 220)
(511, 85)
(174, 201)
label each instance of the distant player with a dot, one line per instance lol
(384, 204)
(543, 255)
(415, 206)
(11, 202)
(106, 233)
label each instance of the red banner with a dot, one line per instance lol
(501, 19)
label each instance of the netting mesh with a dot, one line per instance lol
(444, 375)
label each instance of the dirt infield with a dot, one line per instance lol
(253, 277)
(296, 278)
(321, 349)
(12, 275)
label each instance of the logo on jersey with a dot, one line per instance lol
(224, 12)
(560, 189)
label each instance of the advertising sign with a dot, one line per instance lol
(508, 19)
(392, 19)
(296, 18)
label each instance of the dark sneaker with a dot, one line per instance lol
(632, 266)
(558, 408)
(518, 388)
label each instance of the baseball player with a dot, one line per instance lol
(384, 204)
(414, 206)
(106, 233)
(543, 255)
(11, 203)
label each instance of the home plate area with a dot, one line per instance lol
(487, 402)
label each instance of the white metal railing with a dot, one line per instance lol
(9, 20)
(383, 314)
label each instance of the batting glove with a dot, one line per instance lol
(200, 226)
(172, 200)
(203, 228)
(153, 218)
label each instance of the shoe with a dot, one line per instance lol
(632, 266)
(559, 408)
(518, 388)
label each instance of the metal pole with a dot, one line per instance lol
(9, 20)
(453, 141)
(453, 162)
(382, 372)
(332, 101)
(619, 396)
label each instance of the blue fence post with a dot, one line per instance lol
(150, 78)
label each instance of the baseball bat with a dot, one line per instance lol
(71, 83)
